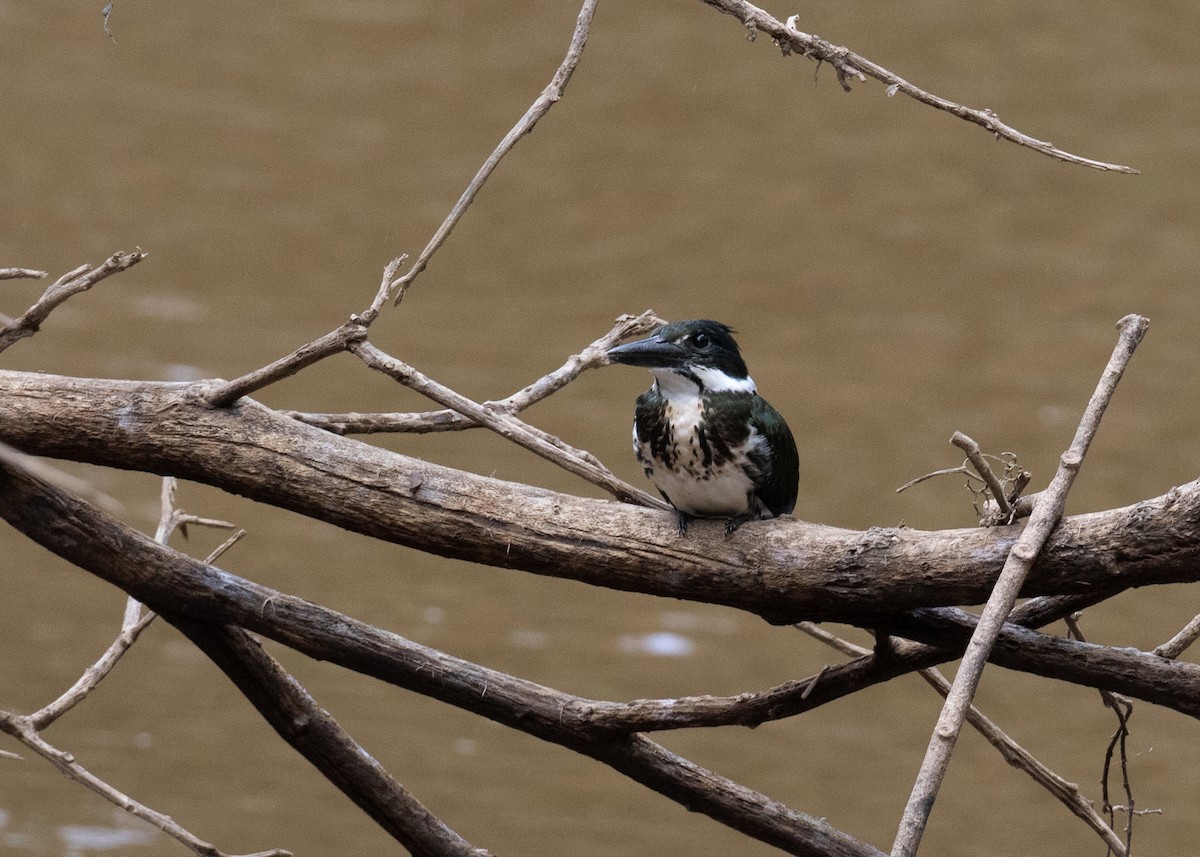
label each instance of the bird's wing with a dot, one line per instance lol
(779, 479)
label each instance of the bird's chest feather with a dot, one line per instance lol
(700, 461)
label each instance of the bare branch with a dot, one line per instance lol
(1045, 516)
(22, 729)
(79, 280)
(550, 95)
(225, 394)
(1066, 792)
(801, 570)
(847, 64)
(976, 457)
(166, 579)
(385, 290)
(591, 357)
(336, 341)
(949, 471)
(1179, 644)
(21, 273)
(91, 677)
(224, 546)
(548, 447)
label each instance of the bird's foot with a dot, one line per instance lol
(733, 523)
(684, 520)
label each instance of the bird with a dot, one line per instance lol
(711, 445)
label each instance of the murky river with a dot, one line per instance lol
(895, 274)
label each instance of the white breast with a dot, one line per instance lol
(721, 491)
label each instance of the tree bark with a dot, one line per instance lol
(784, 570)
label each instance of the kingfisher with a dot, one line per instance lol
(711, 445)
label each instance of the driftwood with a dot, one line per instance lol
(894, 579)
(898, 582)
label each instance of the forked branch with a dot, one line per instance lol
(1046, 514)
(69, 284)
(847, 64)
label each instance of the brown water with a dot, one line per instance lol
(895, 275)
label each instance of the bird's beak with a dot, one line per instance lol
(651, 352)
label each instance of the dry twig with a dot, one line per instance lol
(1045, 515)
(71, 283)
(980, 463)
(1179, 644)
(541, 105)
(547, 446)
(1016, 755)
(591, 357)
(21, 273)
(847, 64)
(27, 728)
(21, 729)
(1123, 709)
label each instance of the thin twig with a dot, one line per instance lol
(1123, 709)
(550, 95)
(1016, 755)
(21, 273)
(847, 64)
(92, 676)
(1179, 644)
(226, 393)
(23, 731)
(72, 283)
(949, 471)
(980, 463)
(591, 357)
(368, 316)
(506, 425)
(336, 341)
(1024, 553)
(220, 549)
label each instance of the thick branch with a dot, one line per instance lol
(783, 569)
(21, 273)
(295, 715)
(175, 584)
(1122, 670)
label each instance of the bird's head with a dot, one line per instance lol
(700, 351)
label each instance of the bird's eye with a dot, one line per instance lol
(700, 340)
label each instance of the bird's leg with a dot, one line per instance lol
(885, 650)
(736, 521)
(684, 520)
